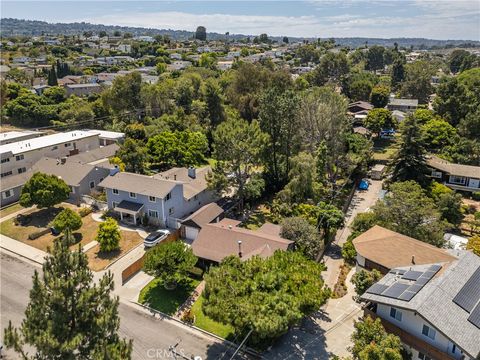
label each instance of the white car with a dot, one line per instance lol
(155, 237)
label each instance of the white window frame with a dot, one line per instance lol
(3, 161)
(168, 196)
(171, 211)
(22, 170)
(396, 314)
(19, 157)
(430, 332)
(453, 180)
(68, 144)
(115, 191)
(152, 197)
(7, 194)
(153, 213)
(132, 193)
(436, 174)
(90, 184)
(7, 173)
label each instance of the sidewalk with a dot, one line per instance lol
(22, 249)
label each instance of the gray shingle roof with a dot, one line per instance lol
(434, 302)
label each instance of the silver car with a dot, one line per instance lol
(155, 237)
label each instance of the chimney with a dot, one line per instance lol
(175, 177)
(239, 249)
(114, 170)
(192, 172)
(413, 259)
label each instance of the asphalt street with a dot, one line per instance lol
(152, 337)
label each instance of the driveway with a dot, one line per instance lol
(323, 335)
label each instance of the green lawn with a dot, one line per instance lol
(10, 210)
(167, 301)
(383, 149)
(204, 322)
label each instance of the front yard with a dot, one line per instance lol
(38, 220)
(10, 210)
(204, 322)
(167, 301)
(384, 149)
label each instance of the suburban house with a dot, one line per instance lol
(108, 137)
(162, 198)
(433, 308)
(405, 105)
(359, 106)
(190, 227)
(20, 156)
(217, 240)
(14, 136)
(455, 176)
(82, 89)
(80, 172)
(382, 249)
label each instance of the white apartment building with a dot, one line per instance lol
(18, 157)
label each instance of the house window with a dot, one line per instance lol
(153, 213)
(5, 160)
(54, 148)
(436, 174)
(114, 204)
(461, 180)
(428, 331)
(115, 191)
(168, 197)
(6, 173)
(396, 314)
(92, 184)
(453, 348)
(22, 170)
(19, 157)
(133, 195)
(7, 194)
(152, 199)
(171, 211)
(68, 144)
(422, 356)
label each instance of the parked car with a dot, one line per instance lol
(155, 237)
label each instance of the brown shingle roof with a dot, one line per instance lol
(217, 241)
(391, 249)
(453, 169)
(204, 215)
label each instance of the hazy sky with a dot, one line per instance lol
(436, 19)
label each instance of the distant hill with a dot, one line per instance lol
(14, 27)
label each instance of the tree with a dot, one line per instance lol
(277, 118)
(437, 134)
(44, 191)
(474, 244)
(349, 254)
(330, 218)
(332, 68)
(69, 316)
(371, 341)
(213, 99)
(170, 262)
(67, 220)
(285, 40)
(460, 60)
(135, 131)
(379, 119)
(398, 73)
(201, 33)
(408, 210)
(133, 154)
(375, 59)
(124, 94)
(266, 296)
(238, 146)
(409, 161)
(52, 77)
(30, 110)
(453, 101)
(179, 148)
(450, 207)
(108, 235)
(379, 96)
(55, 94)
(306, 237)
(363, 279)
(364, 221)
(360, 90)
(417, 83)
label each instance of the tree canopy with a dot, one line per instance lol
(44, 191)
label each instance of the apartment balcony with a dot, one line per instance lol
(408, 339)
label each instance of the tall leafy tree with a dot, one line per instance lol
(375, 60)
(398, 73)
(69, 316)
(330, 218)
(265, 296)
(238, 146)
(201, 33)
(453, 101)
(108, 235)
(125, 94)
(409, 161)
(363, 279)
(437, 133)
(379, 119)
(44, 191)
(277, 118)
(417, 82)
(379, 96)
(213, 99)
(52, 77)
(306, 236)
(332, 68)
(133, 153)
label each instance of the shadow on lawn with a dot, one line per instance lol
(167, 301)
(40, 218)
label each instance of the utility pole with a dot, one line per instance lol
(241, 344)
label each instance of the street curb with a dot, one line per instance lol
(21, 256)
(120, 258)
(233, 345)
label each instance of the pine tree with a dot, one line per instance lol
(52, 77)
(68, 316)
(409, 162)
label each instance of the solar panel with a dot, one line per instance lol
(422, 280)
(407, 295)
(398, 271)
(412, 275)
(376, 289)
(435, 268)
(469, 294)
(415, 288)
(395, 290)
(474, 317)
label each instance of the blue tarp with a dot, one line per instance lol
(363, 185)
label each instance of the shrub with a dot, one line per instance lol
(476, 196)
(108, 235)
(84, 211)
(67, 219)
